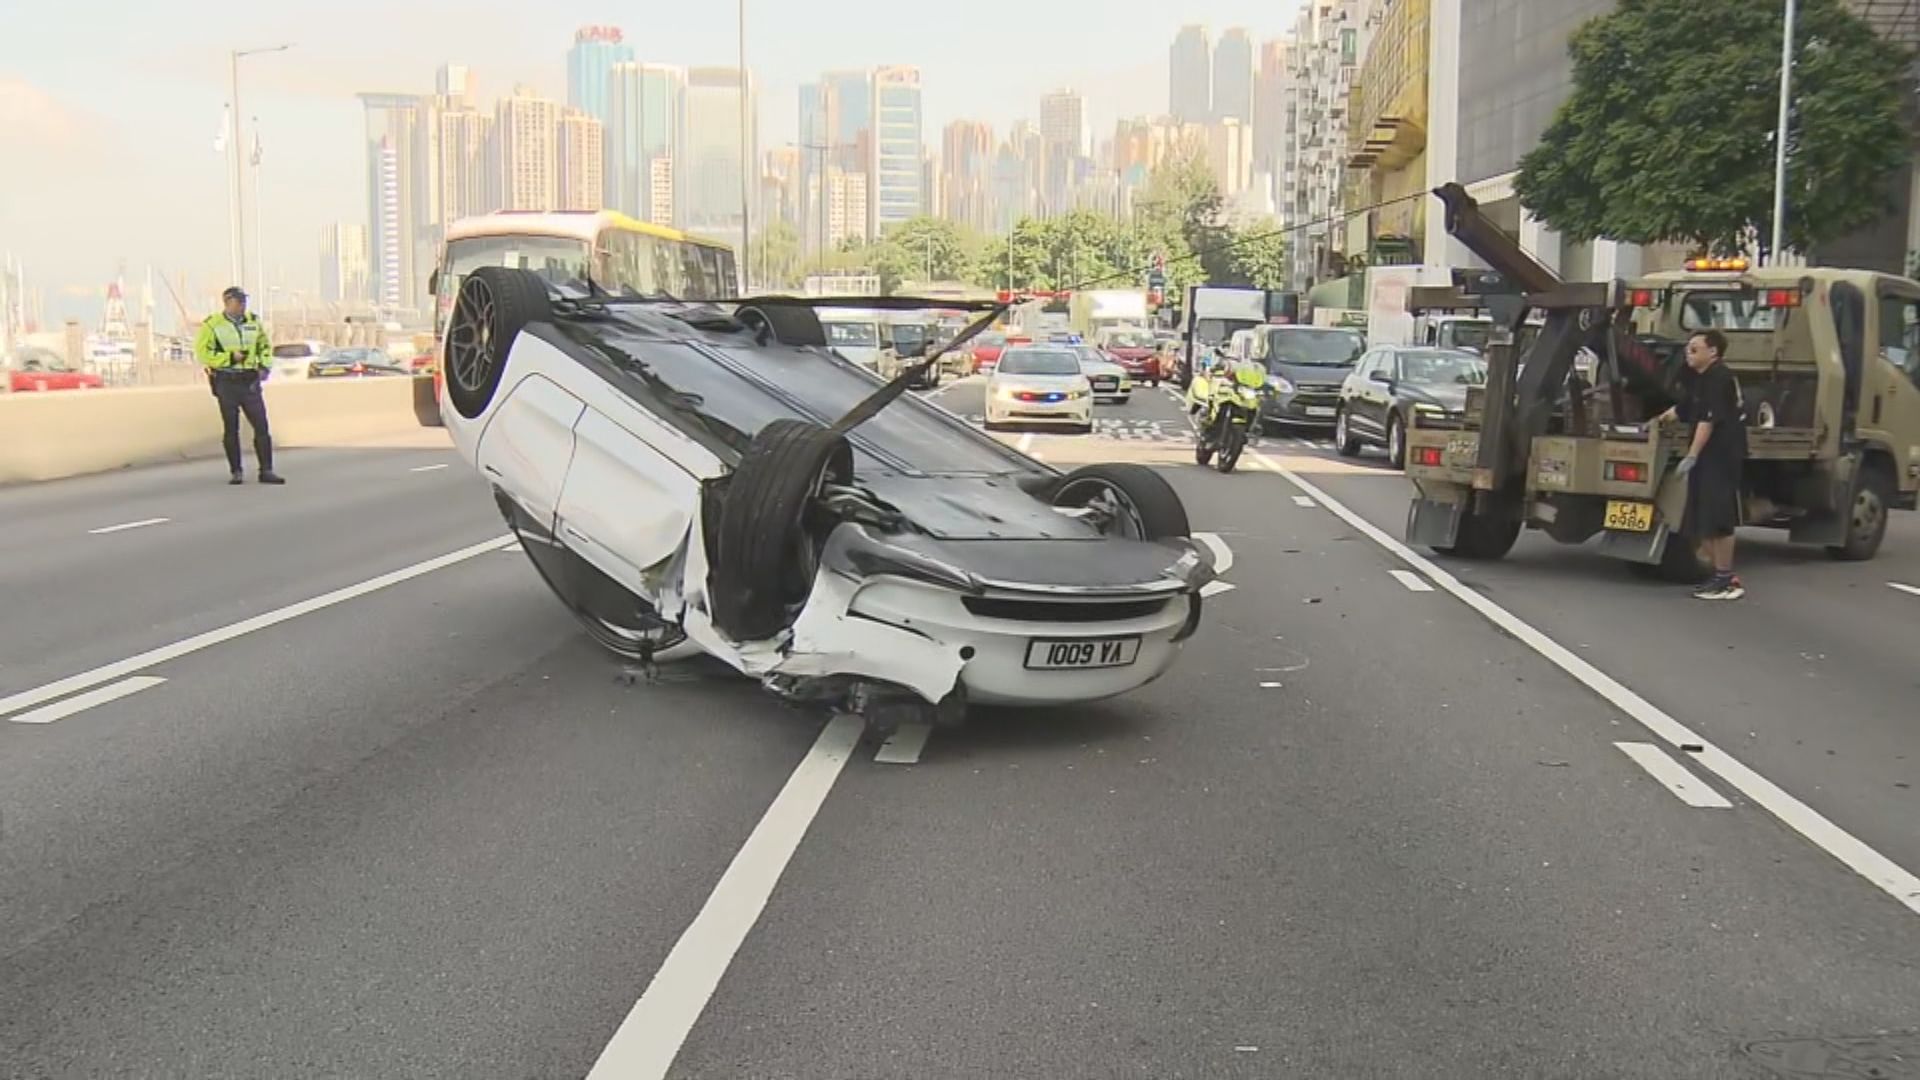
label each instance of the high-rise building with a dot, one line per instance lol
(711, 174)
(898, 147)
(1063, 121)
(343, 263)
(596, 49)
(456, 82)
(966, 185)
(660, 190)
(400, 198)
(1270, 105)
(644, 126)
(1190, 76)
(846, 210)
(836, 131)
(1233, 77)
(1327, 50)
(527, 132)
(469, 182)
(1230, 156)
(582, 158)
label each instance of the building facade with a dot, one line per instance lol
(898, 145)
(710, 188)
(1233, 77)
(1190, 76)
(1387, 136)
(582, 159)
(1326, 56)
(590, 63)
(644, 129)
(966, 186)
(400, 199)
(469, 180)
(527, 133)
(344, 266)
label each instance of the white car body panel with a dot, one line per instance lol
(614, 472)
(527, 444)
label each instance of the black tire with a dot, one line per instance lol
(1140, 502)
(1344, 440)
(1202, 453)
(1483, 536)
(1084, 429)
(1866, 515)
(1397, 448)
(494, 305)
(768, 543)
(668, 644)
(1680, 563)
(1233, 441)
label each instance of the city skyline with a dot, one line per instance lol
(139, 103)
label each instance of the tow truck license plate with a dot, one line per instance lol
(1084, 653)
(1629, 516)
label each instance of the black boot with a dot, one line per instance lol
(268, 476)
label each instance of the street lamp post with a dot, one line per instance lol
(236, 216)
(1780, 139)
(746, 166)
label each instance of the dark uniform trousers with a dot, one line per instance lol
(239, 392)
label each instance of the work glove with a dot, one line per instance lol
(1686, 465)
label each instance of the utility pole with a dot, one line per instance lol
(1780, 140)
(237, 217)
(746, 165)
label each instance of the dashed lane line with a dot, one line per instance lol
(428, 468)
(903, 747)
(79, 703)
(1302, 500)
(1883, 872)
(1675, 778)
(1411, 580)
(1914, 589)
(125, 525)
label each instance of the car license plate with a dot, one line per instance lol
(1054, 655)
(1629, 516)
(1319, 410)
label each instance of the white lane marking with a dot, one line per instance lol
(1677, 779)
(60, 710)
(904, 745)
(1215, 588)
(1222, 554)
(1886, 874)
(515, 546)
(1026, 442)
(1302, 500)
(1915, 590)
(1411, 580)
(428, 468)
(1303, 443)
(1271, 685)
(27, 699)
(124, 526)
(651, 1036)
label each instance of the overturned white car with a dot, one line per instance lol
(713, 476)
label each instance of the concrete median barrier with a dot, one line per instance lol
(71, 433)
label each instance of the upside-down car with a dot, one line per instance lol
(712, 476)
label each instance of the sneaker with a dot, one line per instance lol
(1734, 589)
(1714, 587)
(272, 478)
(236, 479)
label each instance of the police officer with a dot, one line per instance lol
(233, 346)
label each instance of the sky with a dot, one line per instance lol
(108, 110)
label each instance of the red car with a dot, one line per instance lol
(1137, 352)
(41, 370)
(988, 346)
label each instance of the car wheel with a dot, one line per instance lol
(1344, 439)
(495, 304)
(768, 543)
(1867, 519)
(1396, 441)
(1124, 500)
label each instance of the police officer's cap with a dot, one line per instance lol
(234, 292)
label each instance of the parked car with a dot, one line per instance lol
(1110, 381)
(1040, 384)
(35, 370)
(687, 476)
(295, 359)
(356, 362)
(1391, 383)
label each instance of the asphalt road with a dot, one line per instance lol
(389, 813)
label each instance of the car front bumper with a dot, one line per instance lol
(1075, 411)
(1301, 409)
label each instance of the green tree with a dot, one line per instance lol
(775, 255)
(1181, 197)
(923, 249)
(1668, 134)
(1260, 256)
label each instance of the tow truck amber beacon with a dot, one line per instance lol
(711, 476)
(1830, 382)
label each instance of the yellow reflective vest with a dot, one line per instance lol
(219, 338)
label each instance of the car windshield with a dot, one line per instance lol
(42, 361)
(991, 340)
(1469, 335)
(1441, 368)
(1130, 340)
(1091, 357)
(1733, 312)
(864, 335)
(1039, 362)
(1219, 331)
(299, 350)
(1314, 348)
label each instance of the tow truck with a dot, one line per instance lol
(1833, 415)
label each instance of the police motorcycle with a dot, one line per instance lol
(1223, 405)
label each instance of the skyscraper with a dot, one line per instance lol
(399, 199)
(596, 49)
(645, 119)
(1233, 77)
(966, 153)
(710, 177)
(898, 145)
(1190, 76)
(582, 159)
(527, 132)
(1063, 121)
(1270, 105)
(456, 82)
(848, 99)
(343, 263)
(469, 182)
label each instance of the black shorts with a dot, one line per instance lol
(1713, 500)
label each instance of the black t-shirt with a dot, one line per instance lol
(1713, 396)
